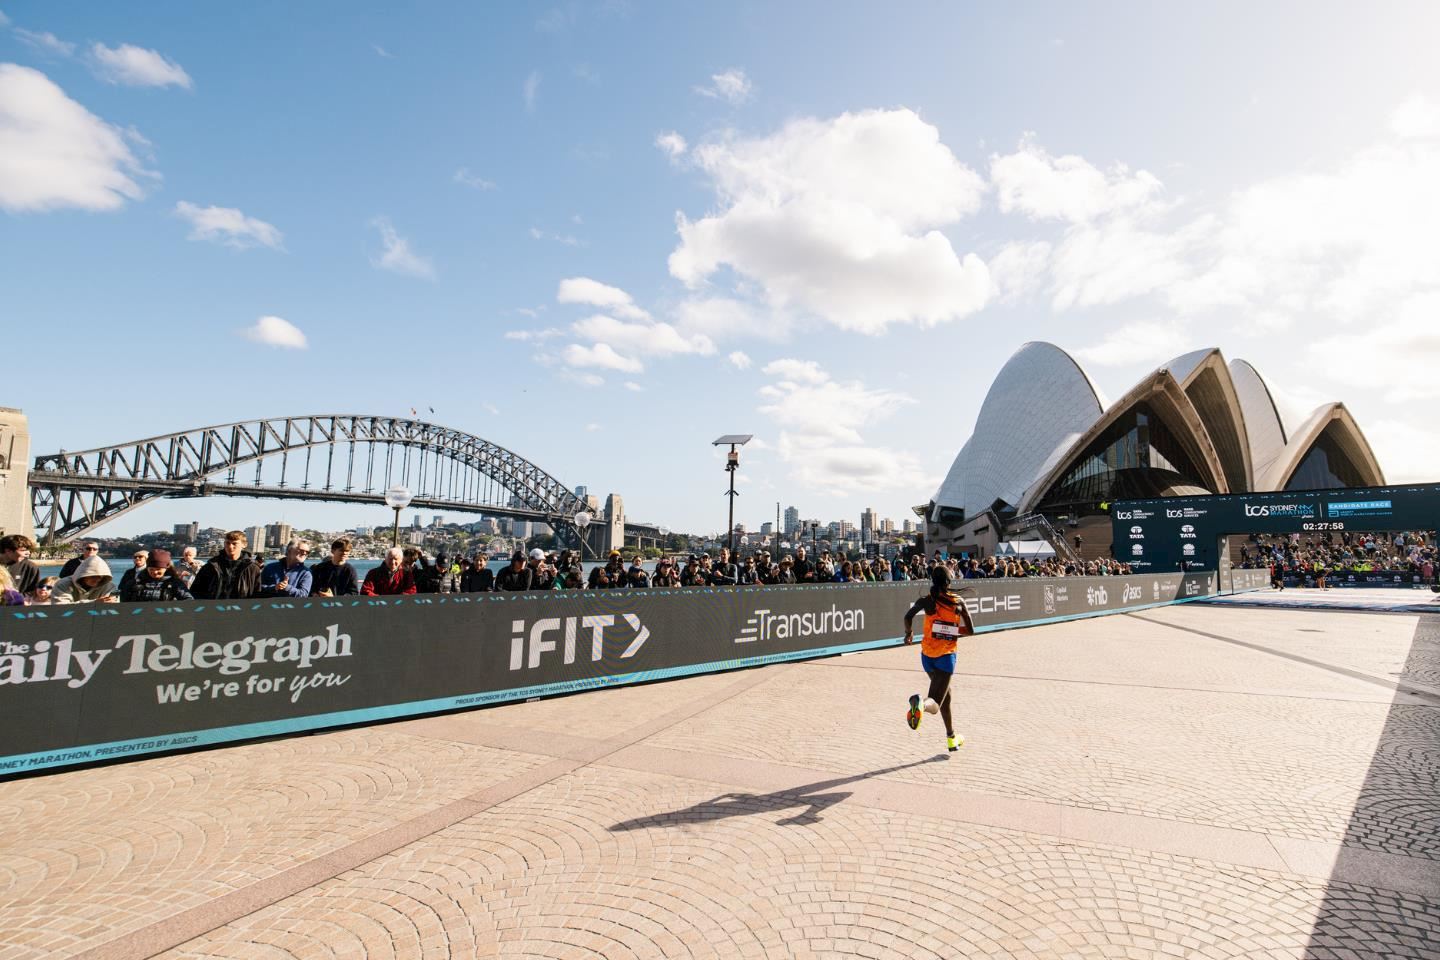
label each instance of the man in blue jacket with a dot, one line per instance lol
(288, 577)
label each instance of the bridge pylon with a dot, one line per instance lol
(15, 513)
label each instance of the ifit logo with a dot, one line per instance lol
(764, 625)
(540, 644)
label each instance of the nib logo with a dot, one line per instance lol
(1096, 596)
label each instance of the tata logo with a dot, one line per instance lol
(1130, 592)
(567, 629)
(1009, 603)
(1096, 596)
(1137, 533)
(1187, 532)
(1049, 598)
(1137, 529)
(1188, 549)
(1138, 549)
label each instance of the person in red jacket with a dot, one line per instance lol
(391, 578)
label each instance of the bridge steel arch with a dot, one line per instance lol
(72, 492)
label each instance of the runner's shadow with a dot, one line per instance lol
(745, 804)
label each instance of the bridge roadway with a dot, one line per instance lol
(1199, 781)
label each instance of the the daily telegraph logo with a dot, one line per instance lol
(1096, 596)
(567, 630)
(765, 625)
(1279, 510)
(149, 653)
(1137, 533)
(1187, 532)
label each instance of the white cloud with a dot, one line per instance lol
(725, 318)
(820, 421)
(1068, 188)
(228, 226)
(592, 427)
(732, 86)
(532, 335)
(382, 52)
(46, 43)
(601, 355)
(634, 387)
(1403, 352)
(1144, 342)
(837, 219)
(531, 90)
(673, 144)
(463, 175)
(54, 153)
(276, 332)
(137, 67)
(1019, 269)
(4, 20)
(584, 379)
(597, 294)
(645, 338)
(739, 360)
(398, 257)
(1407, 452)
(491, 409)
(1416, 119)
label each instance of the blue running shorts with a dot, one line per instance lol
(944, 664)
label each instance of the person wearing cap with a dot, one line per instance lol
(787, 571)
(156, 583)
(517, 576)
(665, 574)
(542, 575)
(636, 577)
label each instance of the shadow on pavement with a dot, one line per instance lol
(746, 804)
(1397, 813)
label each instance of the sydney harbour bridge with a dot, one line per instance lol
(342, 458)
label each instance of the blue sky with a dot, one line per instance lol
(602, 234)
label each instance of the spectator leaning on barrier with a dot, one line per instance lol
(15, 557)
(9, 596)
(391, 579)
(335, 577)
(88, 548)
(90, 582)
(229, 575)
(480, 579)
(43, 591)
(128, 577)
(187, 566)
(515, 577)
(157, 583)
(288, 576)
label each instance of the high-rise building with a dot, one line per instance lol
(437, 521)
(867, 524)
(187, 532)
(277, 534)
(792, 521)
(907, 526)
(256, 538)
(887, 526)
(767, 529)
(582, 491)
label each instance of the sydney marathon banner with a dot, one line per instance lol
(92, 682)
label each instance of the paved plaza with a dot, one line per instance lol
(1206, 780)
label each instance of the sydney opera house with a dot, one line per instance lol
(1047, 443)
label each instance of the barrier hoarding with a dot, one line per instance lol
(92, 682)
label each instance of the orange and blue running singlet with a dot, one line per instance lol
(942, 628)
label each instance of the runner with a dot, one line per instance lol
(946, 620)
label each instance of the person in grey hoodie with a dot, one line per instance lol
(91, 582)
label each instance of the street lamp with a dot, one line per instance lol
(397, 498)
(732, 463)
(582, 520)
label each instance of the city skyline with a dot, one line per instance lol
(600, 234)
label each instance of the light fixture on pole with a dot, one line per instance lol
(582, 520)
(732, 463)
(397, 498)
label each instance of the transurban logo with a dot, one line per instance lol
(764, 625)
(568, 629)
(1130, 592)
(1096, 596)
(149, 653)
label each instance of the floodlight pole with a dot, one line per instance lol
(732, 463)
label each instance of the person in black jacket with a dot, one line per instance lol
(724, 573)
(516, 576)
(156, 583)
(479, 578)
(335, 577)
(231, 574)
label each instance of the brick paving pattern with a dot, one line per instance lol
(1204, 781)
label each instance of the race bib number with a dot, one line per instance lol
(945, 629)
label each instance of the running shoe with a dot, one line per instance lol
(954, 743)
(912, 716)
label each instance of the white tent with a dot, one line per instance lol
(1033, 549)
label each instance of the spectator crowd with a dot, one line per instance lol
(1337, 554)
(236, 573)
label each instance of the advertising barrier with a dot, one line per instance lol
(89, 682)
(1370, 578)
(1242, 580)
